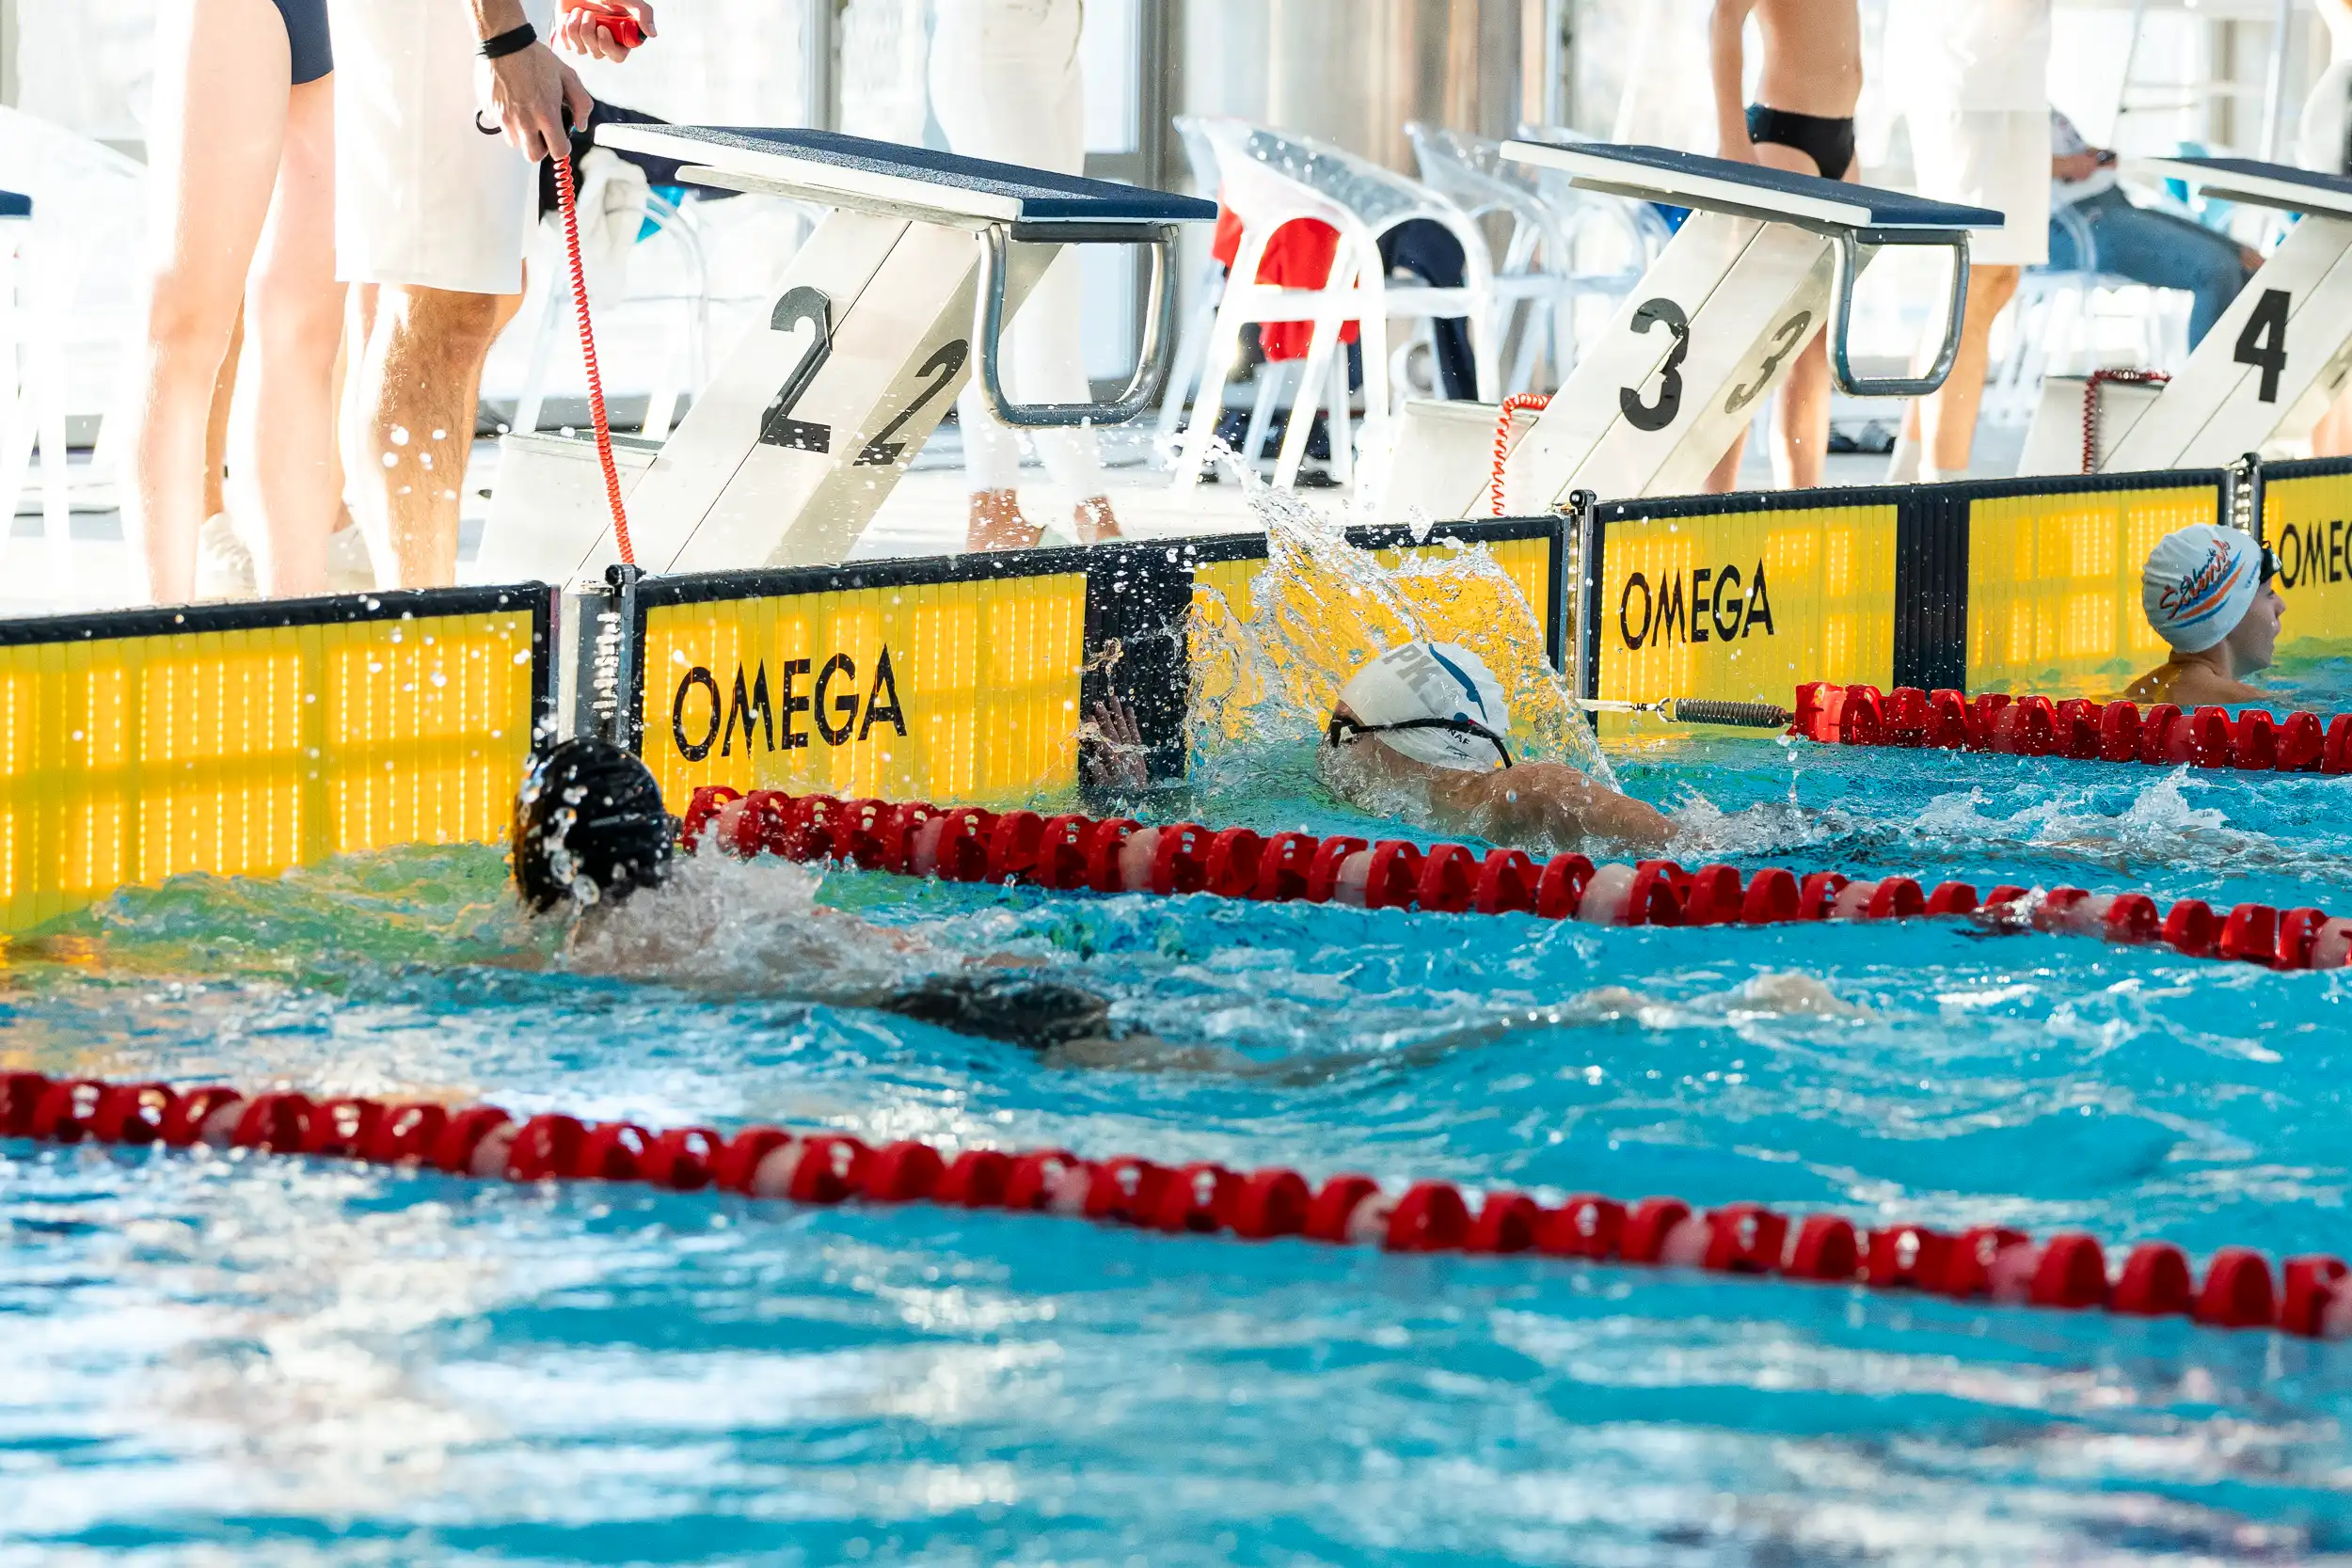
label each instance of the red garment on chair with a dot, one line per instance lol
(1299, 256)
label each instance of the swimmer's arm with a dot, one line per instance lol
(1727, 56)
(1548, 803)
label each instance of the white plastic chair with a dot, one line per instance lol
(1268, 179)
(1537, 282)
(1192, 343)
(2055, 317)
(72, 297)
(684, 361)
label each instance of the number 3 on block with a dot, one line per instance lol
(2263, 343)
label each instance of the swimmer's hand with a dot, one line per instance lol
(537, 97)
(1114, 758)
(587, 28)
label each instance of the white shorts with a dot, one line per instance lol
(422, 196)
(1996, 158)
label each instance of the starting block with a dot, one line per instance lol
(1765, 260)
(806, 427)
(2265, 372)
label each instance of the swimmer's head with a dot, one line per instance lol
(1436, 703)
(2201, 586)
(589, 828)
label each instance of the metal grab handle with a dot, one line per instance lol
(1849, 267)
(1150, 364)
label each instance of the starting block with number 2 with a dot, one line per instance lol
(1766, 259)
(897, 298)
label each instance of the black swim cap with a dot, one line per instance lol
(589, 827)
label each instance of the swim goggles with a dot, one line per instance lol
(1355, 727)
(2270, 564)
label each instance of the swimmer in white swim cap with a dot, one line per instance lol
(2207, 591)
(1423, 729)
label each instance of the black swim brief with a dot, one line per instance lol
(306, 35)
(1828, 142)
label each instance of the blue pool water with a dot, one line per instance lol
(280, 1361)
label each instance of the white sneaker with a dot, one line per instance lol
(224, 566)
(349, 568)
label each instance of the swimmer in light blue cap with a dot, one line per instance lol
(2207, 591)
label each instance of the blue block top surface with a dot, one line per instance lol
(2250, 179)
(1691, 178)
(15, 206)
(1041, 195)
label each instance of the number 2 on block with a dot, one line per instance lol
(777, 427)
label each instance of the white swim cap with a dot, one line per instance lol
(2199, 583)
(1424, 681)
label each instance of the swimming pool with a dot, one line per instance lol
(290, 1361)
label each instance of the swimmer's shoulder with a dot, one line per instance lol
(2191, 686)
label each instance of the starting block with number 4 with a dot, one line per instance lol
(1766, 259)
(2263, 376)
(897, 298)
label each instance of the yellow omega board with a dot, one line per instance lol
(242, 750)
(962, 691)
(2054, 586)
(2308, 520)
(1742, 606)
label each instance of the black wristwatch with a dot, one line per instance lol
(513, 42)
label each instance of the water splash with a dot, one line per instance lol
(1270, 652)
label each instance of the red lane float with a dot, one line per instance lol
(1069, 853)
(2161, 735)
(2310, 1296)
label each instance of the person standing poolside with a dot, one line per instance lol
(2158, 248)
(1005, 86)
(432, 229)
(2207, 592)
(1971, 75)
(1801, 122)
(242, 150)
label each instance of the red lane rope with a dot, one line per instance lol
(2091, 405)
(2161, 735)
(1070, 853)
(567, 199)
(2306, 1295)
(1511, 406)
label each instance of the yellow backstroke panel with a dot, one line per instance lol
(242, 749)
(954, 692)
(2054, 586)
(1333, 615)
(1744, 606)
(2308, 520)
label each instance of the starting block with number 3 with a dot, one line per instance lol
(2261, 378)
(1766, 259)
(897, 298)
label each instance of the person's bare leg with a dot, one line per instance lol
(1095, 520)
(217, 427)
(213, 147)
(1725, 477)
(297, 310)
(2332, 436)
(411, 427)
(1947, 419)
(1802, 445)
(997, 523)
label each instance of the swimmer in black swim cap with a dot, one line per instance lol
(590, 830)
